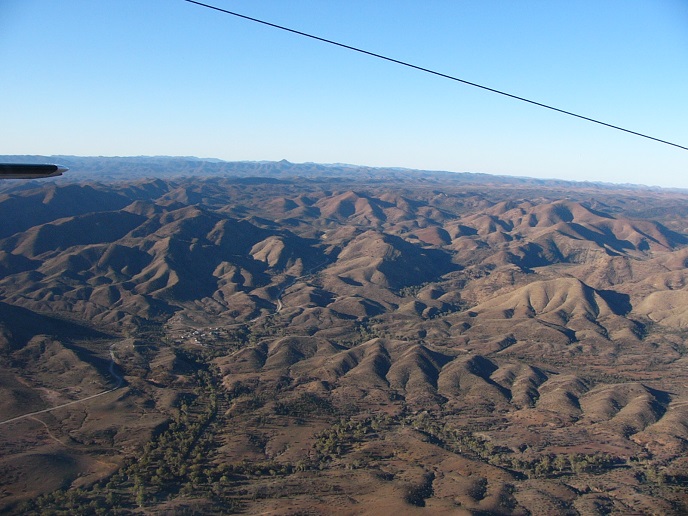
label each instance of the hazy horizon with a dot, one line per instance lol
(73, 174)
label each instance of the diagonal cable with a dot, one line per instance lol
(433, 72)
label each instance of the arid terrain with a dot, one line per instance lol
(304, 339)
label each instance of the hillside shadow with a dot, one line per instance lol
(618, 302)
(24, 324)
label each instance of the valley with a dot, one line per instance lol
(301, 339)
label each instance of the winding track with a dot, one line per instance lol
(120, 381)
(307, 272)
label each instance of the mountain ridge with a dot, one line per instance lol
(109, 168)
(302, 343)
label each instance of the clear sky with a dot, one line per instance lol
(165, 77)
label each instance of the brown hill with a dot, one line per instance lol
(145, 266)
(561, 231)
(561, 300)
(667, 307)
(45, 204)
(388, 261)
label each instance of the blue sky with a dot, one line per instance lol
(151, 77)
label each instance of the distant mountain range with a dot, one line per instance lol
(133, 167)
